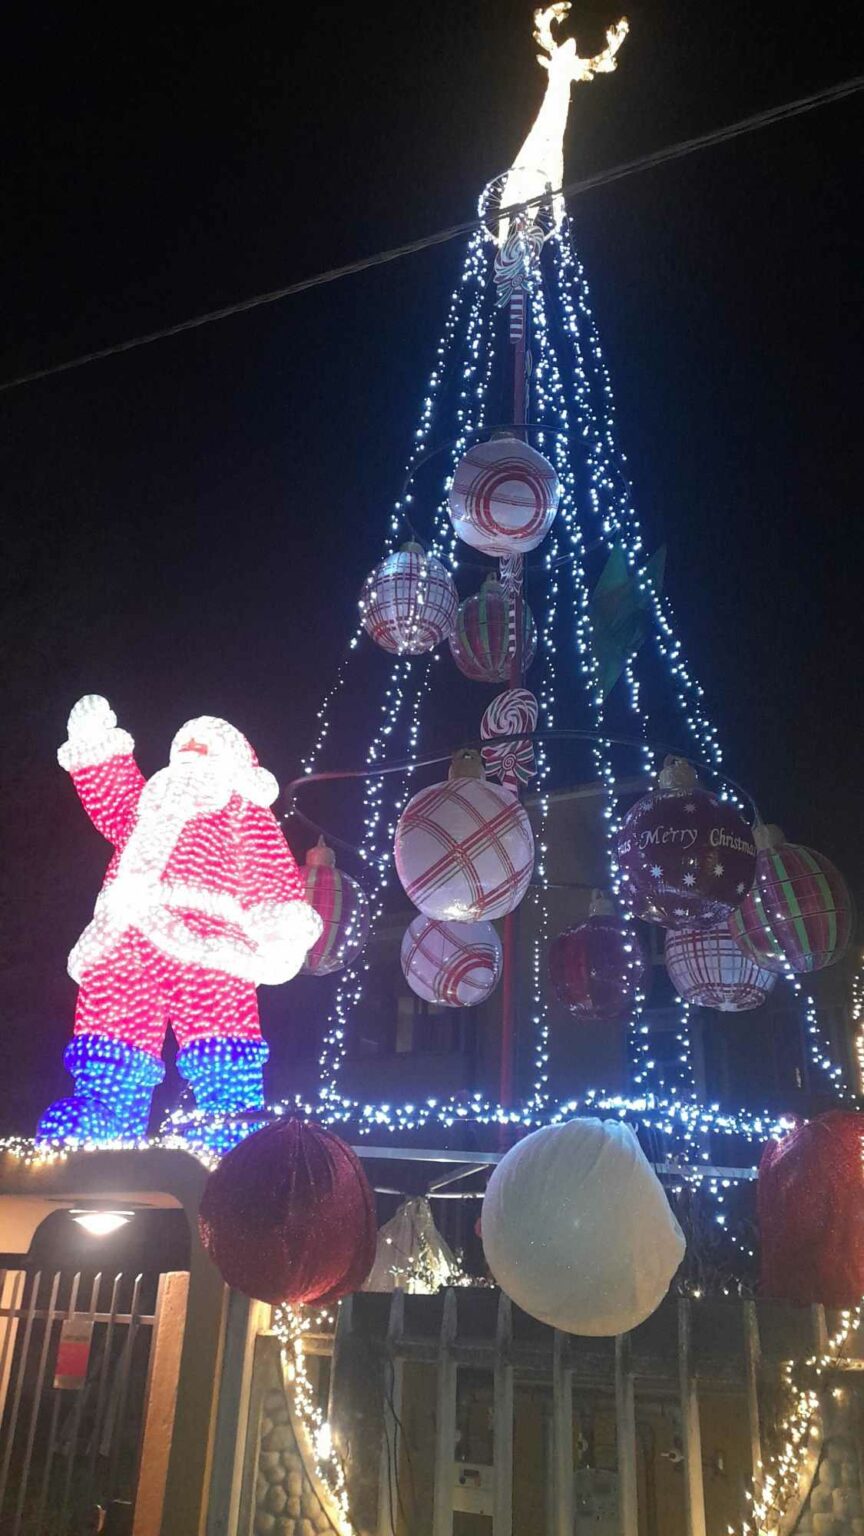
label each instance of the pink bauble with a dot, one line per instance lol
(481, 642)
(409, 602)
(343, 908)
(687, 859)
(504, 497)
(464, 851)
(456, 965)
(799, 913)
(707, 968)
(597, 968)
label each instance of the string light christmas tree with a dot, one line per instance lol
(545, 497)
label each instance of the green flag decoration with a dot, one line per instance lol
(621, 614)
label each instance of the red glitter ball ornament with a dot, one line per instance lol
(687, 859)
(289, 1216)
(596, 968)
(810, 1199)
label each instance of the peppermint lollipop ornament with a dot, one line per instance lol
(512, 762)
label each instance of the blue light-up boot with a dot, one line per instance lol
(227, 1077)
(114, 1085)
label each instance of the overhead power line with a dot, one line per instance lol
(649, 162)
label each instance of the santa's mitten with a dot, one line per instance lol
(94, 736)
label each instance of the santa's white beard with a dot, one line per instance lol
(187, 788)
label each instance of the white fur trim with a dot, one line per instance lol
(86, 751)
(274, 942)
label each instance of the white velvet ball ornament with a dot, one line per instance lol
(577, 1229)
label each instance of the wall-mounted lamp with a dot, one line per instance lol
(101, 1223)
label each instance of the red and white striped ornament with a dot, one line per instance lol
(455, 965)
(409, 602)
(504, 497)
(707, 968)
(464, 851)
(343, 908)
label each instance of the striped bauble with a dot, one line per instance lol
(482, 641)
(799, 914)
(707, 968)
(455, 965)
(504, 497)
(409, 602)
(464, 851)
(343, 908)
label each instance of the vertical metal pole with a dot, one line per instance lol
(10, 1426)
(562, 1437)
(502, 1454)
(509, 979)
(625, 1426)
(394, 1375)
(445, 1422)
(36, 1404)
(691, 1434)
(752, 1356)
(11, 1291)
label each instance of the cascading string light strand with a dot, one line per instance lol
(778, 1480)
(612, 493)
(375, 852)
(376, 848)
(552, 400)
(816, 1041)
(639, 1044)
(857, 1020)
(422, 435)
(291, 1326)
(598, 480)
(611, 496)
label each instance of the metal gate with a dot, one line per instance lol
(78, 1354)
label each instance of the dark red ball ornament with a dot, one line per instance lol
(810, 1199)
(597, 968)
(289, 1216)
(687, 859)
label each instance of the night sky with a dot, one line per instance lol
(186, 527)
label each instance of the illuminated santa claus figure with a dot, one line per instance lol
(201, 903)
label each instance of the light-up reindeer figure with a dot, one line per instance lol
(539, 165)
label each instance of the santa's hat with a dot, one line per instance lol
(225, 748)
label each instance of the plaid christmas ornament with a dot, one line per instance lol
(455, 965)
(464, 851)
(481, 641)
(707, 968)
(799, 913)
(409, 602)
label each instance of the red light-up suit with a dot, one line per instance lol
(201, 902)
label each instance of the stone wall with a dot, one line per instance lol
(288, 1498)
(834, 1506)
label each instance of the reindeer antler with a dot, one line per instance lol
(544, 21)
(604, 63)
